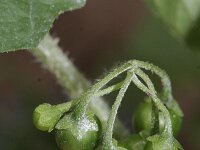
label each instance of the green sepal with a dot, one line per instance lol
(134, 142)
(115, 146)
(162, 142)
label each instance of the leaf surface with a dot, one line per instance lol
(23, 23)
(182, 17)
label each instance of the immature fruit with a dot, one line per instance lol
(78, 134)
(175, 119)
(142, 119)
(134, 142)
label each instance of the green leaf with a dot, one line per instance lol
(182, 17)
(23, 23)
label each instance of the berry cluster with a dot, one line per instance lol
(157, 120)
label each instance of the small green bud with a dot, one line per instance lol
(45, 117)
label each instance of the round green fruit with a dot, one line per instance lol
(176, 121)
(142, 118)
(78, 133)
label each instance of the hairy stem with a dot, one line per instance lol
(109, 89)
(53, 59)
(107, 138)
(167, 89)
(82, 105)
(152, 93)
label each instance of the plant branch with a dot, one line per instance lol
(53, 59)
(107, 138)
(167, 89)
(83, 103)
(109, 89)
(153, 95)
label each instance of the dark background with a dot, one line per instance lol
(96, 38)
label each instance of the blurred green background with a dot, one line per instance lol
(96, 38)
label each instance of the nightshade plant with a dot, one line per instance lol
(83, 122)
(76, 127)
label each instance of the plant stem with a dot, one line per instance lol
(109, 89)
(53, 59)
(107, 138)
(82, 105)
(153, 94)
(167, 89)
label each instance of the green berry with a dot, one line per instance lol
(78, 133)
(142, 119)
(175, 119)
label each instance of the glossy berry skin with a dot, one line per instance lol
(142, 119)
(134, 142)
(78, 134)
